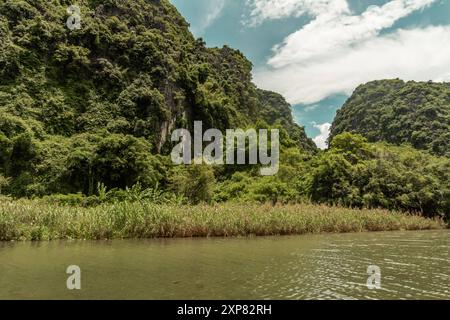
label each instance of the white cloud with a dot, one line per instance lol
(321, 139)
(213, 9)
(416, 54)
(338, 50)
(333, 31)
(261, 10)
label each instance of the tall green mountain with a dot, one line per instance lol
(98, 103)
(398, 112)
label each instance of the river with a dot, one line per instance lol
(413, 265)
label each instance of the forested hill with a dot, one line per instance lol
(69, 99)
(416, 113)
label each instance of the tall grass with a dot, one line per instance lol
(39, 220)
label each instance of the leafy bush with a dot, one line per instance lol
(195, 182)
(134, 194)
(357, 174)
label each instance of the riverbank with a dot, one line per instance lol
(38, 220)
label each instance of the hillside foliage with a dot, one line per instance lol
(398, 112)
(86, 117)
(79, 107)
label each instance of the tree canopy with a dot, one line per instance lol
(398, 112)
(98, 104)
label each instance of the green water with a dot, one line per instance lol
(414, 265)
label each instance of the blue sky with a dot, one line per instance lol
(315, 52)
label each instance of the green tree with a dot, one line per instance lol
(195, 182)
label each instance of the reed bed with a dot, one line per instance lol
(39, 220)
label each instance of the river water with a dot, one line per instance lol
(413, 265)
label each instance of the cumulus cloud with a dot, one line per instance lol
(321, 139)
(417, 54)
(338, 50)
(333, 31)
(261, 10)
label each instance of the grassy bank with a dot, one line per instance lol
(37, 220)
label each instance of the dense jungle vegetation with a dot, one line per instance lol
(398, 112)
(86, 117)
(98, 104)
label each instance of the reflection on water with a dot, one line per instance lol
(414, 265)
